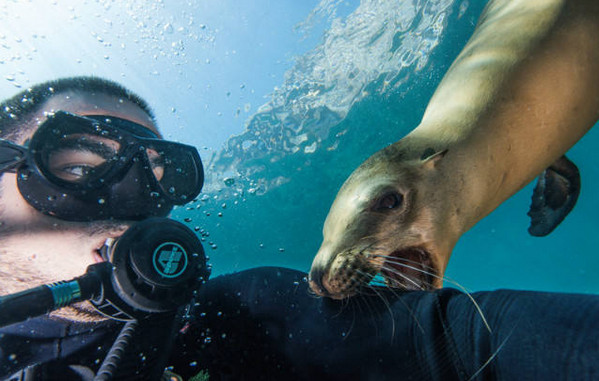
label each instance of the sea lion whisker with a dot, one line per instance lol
(462, 288)
(499, 348)
(372, 318)
(388, 309)
(400, 299)
(395, 260)
(370, 285)
(400, 262)
(375, 280)
(344, 304)
(352, 322)
(377, 283)
(408, 266)
(407, 277)
(404, 276)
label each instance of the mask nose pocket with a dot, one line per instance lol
(136, 192)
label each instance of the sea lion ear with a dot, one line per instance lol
(430, 159)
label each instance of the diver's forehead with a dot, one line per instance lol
(84, 103)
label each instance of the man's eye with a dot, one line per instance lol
(75, 172)
(74, 165)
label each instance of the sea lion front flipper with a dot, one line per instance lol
(554, 196)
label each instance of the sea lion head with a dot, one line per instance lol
(391, 218)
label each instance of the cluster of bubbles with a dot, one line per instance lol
(107, 29)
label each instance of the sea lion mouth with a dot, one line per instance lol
(409, 269)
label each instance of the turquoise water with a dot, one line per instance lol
(272, 211)
(284, 99)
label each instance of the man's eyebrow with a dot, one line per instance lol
(82, 144)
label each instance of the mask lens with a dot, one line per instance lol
(73, 156)
(157, 161)
(101, 154)
(176, 170)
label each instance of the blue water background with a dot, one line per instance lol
(284, 99)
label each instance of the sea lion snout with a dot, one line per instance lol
(339, 275)
(319, 269)
(315, 280)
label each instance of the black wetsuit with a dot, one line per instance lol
(54, 349)
(262, 324)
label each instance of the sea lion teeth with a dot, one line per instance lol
(519, 95)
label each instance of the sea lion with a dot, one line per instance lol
(524, 89)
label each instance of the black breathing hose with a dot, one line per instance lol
(113, 358)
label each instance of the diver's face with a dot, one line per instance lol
(36, 248)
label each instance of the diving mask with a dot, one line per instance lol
(83, 168)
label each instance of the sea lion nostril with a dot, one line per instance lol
(315, 282)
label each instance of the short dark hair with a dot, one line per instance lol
(14, 110)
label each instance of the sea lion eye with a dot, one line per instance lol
(389, 201)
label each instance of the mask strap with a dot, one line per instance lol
(11, 156)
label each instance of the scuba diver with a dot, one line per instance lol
(83, 166)
(81, 160)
